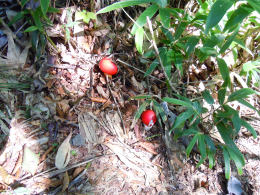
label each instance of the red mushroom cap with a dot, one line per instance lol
(107, 66)
(149, 117)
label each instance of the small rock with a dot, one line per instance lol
(78, 140)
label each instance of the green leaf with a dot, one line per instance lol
(211, 159)
(226, 132)
(240, 94)
(206, 95)
(85, 16)
(218, 10)
(139, 38)
(243, 46)
(236, 121)
(251, 65)
(202, 149)
(139, 97)
(182, 118)
(141, 109)
(177, 58)
(23, 2)
(209, 51)
(16, 18)
(168, 34)
(161, 3)
(249, 128)
(165, 16)
(186, 132)
(191, 144)
(37, 19)
(191, 43)
(53, 10)
(229, 41)
(151, 68)
(182, 26)
(255, 4)
(122, 4)
(31, 28)
(163, 52)
(227, 162)
(44, 6)
(178, 102)
(237, 159)
(221, 95)
(244, 102)
(159, 111)
(238, 16)
(224, 71)
(141, 20)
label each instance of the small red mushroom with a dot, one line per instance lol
(149, 118)
(107, 66)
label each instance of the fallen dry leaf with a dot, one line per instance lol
(62, 108)
(63, 155)
(66, 181)
(5, 177)
(30, 161)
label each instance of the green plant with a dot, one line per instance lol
(213, 31)
(35, 15)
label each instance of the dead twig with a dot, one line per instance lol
(116, 103)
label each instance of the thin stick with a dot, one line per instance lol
(139, 70)
(157, 53)
(118, 109)
(56, 172)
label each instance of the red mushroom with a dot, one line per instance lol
(107, 66)
(149, 118)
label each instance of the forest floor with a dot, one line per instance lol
(72, 100)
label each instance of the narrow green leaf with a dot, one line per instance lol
(227, 162)
(122, 4)
(139, 38)
(202, 149)
(44, 6)
(251, 65)
(31, 28)
(249, 127)
(206, 95)
(191, 43)
(211, 159)
(138, 97)
(218, 10)
(23, 2)
(53, 10)
(178, 102)
(243, 46)
(237, 159)
(37, 19)
(182, 118)
(141, 109)
(238, 16)
(163, 52)
(236, 122)
(244, 102)
(186, 132)
(222, 95)
(224, 71)
(159, 111)
(182, 26)
(208, 51)
(16, 18)
(191, 145)
(229, 41)
(161, 3)
(151, 68)
(141, 20)
(165, 16)
(255, 4)
(240, 94)
(168, 34)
